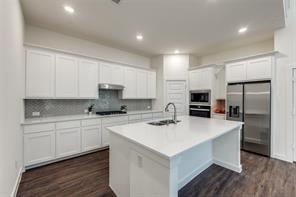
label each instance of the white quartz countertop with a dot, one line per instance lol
(171, 140)
(79, 117)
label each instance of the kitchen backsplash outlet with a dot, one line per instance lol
(108, 100)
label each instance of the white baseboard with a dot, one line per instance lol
(228, 165)
(194, 173)
(17, 182)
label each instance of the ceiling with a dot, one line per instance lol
(192, 26)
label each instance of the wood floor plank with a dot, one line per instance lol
(88, 176)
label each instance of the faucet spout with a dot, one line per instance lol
(175, 111)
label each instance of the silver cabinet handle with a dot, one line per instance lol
(194, 109)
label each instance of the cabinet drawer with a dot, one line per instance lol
(91, 122)
(158, 115)
(147, 116)
(38, 128)
(115, 119)
(135, 117)
(68, 124)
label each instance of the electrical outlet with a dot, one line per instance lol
(148, 107)
(85, 111)
(36, 113)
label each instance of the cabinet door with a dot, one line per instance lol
(117, 75)
(39, 147)
(130, 83)
(68, 142)
(236, 71)
(66, 77)
(91, 138)
(105, 132)
(40, 72)
(142, 78)
(151, 86)
(259, 68)
(105, 73)
(88, 79)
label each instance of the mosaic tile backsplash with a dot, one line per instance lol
(108, 100)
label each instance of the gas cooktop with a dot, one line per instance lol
(105, 113)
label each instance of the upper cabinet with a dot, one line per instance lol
(139, 84)
(58, 76)
(88, 79)
(66, 77)
(249, 70)
(40, 74)
(130, 83)
(151, 86)
(236, 71)
(111, 74)
(201, 79)
(142, 81)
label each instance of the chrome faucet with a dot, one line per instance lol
(175, 111)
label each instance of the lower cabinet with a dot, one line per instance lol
(91, 138)
(39, 147)
(68, 142)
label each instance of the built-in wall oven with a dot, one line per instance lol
(200, 111)
(200, 97)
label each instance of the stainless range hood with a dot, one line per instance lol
(106, 86)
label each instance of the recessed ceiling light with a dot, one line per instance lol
(69, 9)
(242, 30)
(139, 37)
(176, 51)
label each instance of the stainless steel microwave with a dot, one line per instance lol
(200, 97)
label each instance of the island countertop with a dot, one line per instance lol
(171, 140)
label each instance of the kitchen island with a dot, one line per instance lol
(148, 160)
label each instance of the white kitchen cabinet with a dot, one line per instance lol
(40, 74)
(142, 80)
(201, 79)
(151, 86)
(91, 137)
(236, 71)
(111, 74)
(39, 147)
(68, 142)
(66, 77)
(88, 79)
(130, 83)
(109, 122)
(220, 89)
(259, 68)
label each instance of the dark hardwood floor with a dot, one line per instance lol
(87, 176)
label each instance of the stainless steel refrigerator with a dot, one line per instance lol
(251, 104)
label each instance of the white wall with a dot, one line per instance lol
(176, 67)
(11, 92)
(45, 38)
(285, 43)
(248, 50)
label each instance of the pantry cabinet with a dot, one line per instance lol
(40, 74)
(66, 77)
(88, 79)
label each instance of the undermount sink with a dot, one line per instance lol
(163, 122)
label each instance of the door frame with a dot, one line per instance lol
(186, 92)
